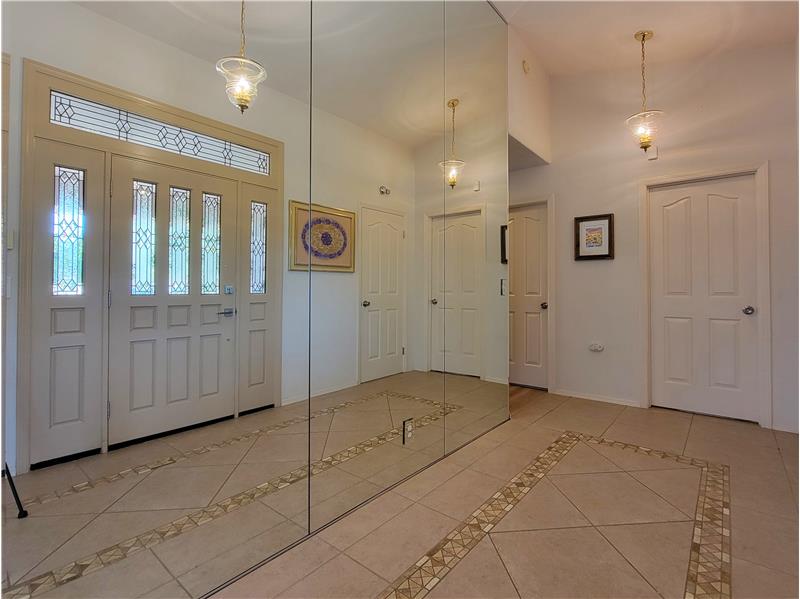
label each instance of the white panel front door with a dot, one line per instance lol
(67, 300)
(382, 319)
(703, 279)
(527, 301)
(172, 324)
(458, 259)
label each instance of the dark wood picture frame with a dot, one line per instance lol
(609, 218)
(503, 244)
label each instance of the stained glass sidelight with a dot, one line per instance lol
(258, 247)
(143, 252)
(77, 113)
(210, 244)
(179, 202)
(68, 232)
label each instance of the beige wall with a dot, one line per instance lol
(724, 111)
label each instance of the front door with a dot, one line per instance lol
(704, 315)
(455, 294)
(172, 314)
(382, 290)
(527, 296)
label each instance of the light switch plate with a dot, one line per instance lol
(408, 430)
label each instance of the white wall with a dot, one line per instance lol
(528, 99)
(69, 37)
(725, 111)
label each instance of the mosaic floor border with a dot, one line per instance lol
(183, 455)
(709, 569)
(110, 555)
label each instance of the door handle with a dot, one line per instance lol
(227, 312)
(749, 310)
(434, 301)
(543, 305)
(366, 303)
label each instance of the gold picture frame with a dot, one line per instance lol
(325, 235)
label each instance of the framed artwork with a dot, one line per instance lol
(326, 237)
(503, 244)
(594, 237)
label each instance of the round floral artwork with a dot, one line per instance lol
(327, 238)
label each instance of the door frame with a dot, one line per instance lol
(404, 215)
(760, 175)
(550, 205)
(37, 79)
(429, 216)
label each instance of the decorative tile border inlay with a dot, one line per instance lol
(183, 455)
(110, 555)
(709, 572)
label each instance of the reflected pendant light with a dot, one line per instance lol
(644, 124)
(452, 166)
(242, 75)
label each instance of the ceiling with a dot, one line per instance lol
(578, 37)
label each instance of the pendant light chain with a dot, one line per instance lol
(241, 47)
(453, 138)
(644, 89)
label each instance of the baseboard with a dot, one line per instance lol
(603, 398)
(490, 379)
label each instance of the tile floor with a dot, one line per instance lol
(603, 519)
(189, 511)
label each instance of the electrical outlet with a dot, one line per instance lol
(408, 430)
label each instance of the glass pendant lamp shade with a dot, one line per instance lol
(644, 126)
(242, 77)
(452, 169)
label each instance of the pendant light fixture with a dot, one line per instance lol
(644, 124)
(452, 166)
(242, 75)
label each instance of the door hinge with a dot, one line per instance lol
(404, 234)
(404, 351)
(109, 298)
(108, 410)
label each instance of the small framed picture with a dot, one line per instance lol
(322, 235)
(594, 237)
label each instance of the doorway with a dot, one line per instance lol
(709, 298)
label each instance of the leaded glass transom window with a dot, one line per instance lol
(258, 247)
(143, 252)
(179, 205)
(68, 232)
(71, 111)
(210, 244)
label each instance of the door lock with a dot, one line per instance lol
(748, 310)
(434, 301)
(543, 305)
(227, 312)
(366, 303)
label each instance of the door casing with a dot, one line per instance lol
(761, 176)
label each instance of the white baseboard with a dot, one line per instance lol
(490, 379)
(603, 398)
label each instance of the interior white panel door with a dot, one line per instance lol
(458, 257)
(67, 300)
(382, 317)
(703, 281)
(172, 315)
(527, 298)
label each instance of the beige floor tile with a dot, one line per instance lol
(174, 488)
(655, 418)
(333, 507)
(655, 436)
(398, 543)
(230, 455)
(92, 501)
(26, 542)
(462, 494)
(204, 435)
(679, 487)
(543, 507)
(247, 476)
(130, 577)
(505, 431)
(221, 568)
(197, 546)
(469, 454)
(396, 472)
(787, 445)
(427, 480)
(339, 578)
(767, 491)
(581, 415)
(285, 570)
(480, 575)
(615, 498)
(751, 581)
(340, 440)
(631, 460)
(290, 500)
(583, 459)
(370, 463)
(373, 423)
(104, 531)
(568, 563)
(118, 460)
(531, 408)
(504, 462)
(171, 590)
(47, 480)
(286, 448)
(765, 540)
(534, 438)
(659, 552)
(353, 527)
(329, 483)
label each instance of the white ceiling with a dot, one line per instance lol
(577, 37)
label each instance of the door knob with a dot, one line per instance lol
(748, 310)
(434, 301)
(365, 303)
(543, 305)
(227, 312)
